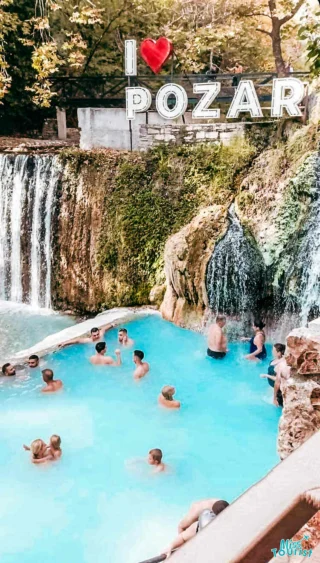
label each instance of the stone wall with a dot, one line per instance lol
(151, 135)
(301, 412)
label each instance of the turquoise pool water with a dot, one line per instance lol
(100, 504)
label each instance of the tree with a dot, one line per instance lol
(310, 32)
(271, 17)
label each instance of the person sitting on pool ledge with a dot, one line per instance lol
(155, 459)
(199, 516)
(124, 339)
(53, 385)
(8, 370)
(257, 342)
(166, 399)
(217, 342)
(33, 361)
(100, 359)
(142, 367)
(96, 334)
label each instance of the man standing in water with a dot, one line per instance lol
(124, 339)
(96, 334)
(217, 342)
(52, 385)
(8, 370)
(100, 358)
(142, 368)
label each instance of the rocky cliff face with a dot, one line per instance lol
(301, 412)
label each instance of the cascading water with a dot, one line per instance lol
(27, 194)
(235, 272)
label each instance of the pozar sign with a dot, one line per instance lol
(287, 93)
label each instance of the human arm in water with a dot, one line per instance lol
(259, 342)
(276, 389)
(182, 538)
(44, 459)
(267, 376)
(117, 362)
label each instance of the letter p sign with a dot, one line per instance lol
(138, 100)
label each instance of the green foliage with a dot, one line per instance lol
(147, 198)
(310, 33)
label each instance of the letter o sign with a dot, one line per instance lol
(162, 101)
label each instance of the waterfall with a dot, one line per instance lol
(235, 273)
(308, 260)
(27, 195)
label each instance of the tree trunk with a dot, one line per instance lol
(277, 48)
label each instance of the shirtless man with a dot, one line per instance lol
(52, 385)
(33, 361)
(142, 367)
(8, 370)
(200, 514)
(96, 334)
(124, 339)
(283, 372)
(166, 399)
(217, 342)
(155, 459)
(100, 358)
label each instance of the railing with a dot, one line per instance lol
(109, 91)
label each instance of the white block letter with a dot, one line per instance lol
(130, 57)
(210, 91)
(162, 101)
(282, 99)
(137, 100)
(245, 99)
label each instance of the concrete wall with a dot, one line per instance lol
(109, 128)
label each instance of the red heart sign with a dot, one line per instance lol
(156, 53)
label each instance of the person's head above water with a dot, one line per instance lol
(33, 361)
(37, 447)
(138, 356)
(122, 335)
(101, 348)
(258, 324)
(168, 391)
(55, 441)
(8, 369)
(95, 333)
(47, 375)
(221, 320)
(155, 457)
(278, 350)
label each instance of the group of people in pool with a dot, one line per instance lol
(278, 370)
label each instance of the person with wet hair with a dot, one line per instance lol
(52, 385)
(33, 361)
(155, 459)
(100, 358)
(96, 334)
(123, 338)
(278, 351)
(166, 399)
(142, 367)
(8, 370)
(257, 342)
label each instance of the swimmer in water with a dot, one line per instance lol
(54, 447)
(33, 361)
(52, 385)
(155, 459)
(124, 339)
(283, 372)
(217, 342)
(166, 399)
(199, 516)
(96, 334)
(39, 452)
(100, 358)
(142, 368)
(257, 342)
(8, 370)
